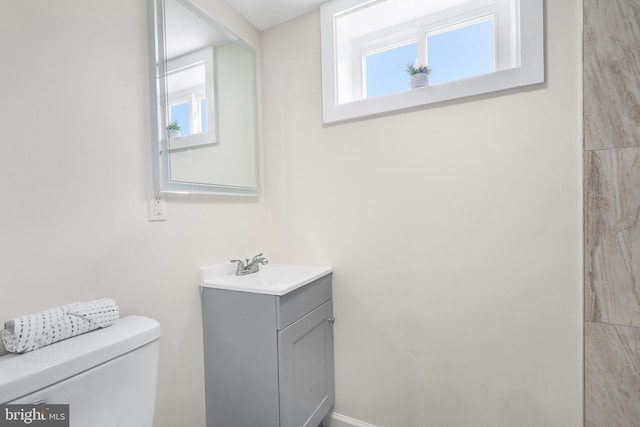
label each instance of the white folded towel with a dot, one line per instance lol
(27, 333)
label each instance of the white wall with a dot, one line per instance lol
(74, 177)
(455, 233)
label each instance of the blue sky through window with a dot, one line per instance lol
(203, 115)
(452, 55)
(385, 70)
(180, 113)
(461, 53)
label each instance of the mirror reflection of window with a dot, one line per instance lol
(180, 114)
(186, 95)
(189, 79)
(203, 115)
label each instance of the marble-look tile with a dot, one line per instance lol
(612, 376)
(612, 236)
(611, 103)
(611, 73)
(611, 29)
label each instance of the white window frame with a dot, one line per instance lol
(516, 64)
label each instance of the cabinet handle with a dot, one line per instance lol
(331, 320)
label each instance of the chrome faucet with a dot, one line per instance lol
(252, 266)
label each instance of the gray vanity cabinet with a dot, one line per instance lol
(268, 358)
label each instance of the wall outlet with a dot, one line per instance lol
(157, 207)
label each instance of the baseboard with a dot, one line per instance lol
(339, 420)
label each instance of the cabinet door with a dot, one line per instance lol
(305, 350)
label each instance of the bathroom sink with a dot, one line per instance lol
(273, 279)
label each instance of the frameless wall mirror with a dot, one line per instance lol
(204, 106)
(386, 55)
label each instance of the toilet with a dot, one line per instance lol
(107, 376)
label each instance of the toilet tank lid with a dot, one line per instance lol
(21, 374)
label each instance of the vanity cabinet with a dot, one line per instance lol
(268, 358)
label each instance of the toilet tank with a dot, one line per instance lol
(107, 376)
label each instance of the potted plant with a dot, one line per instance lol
(174, 129)
(419, 75)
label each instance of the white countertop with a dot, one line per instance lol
(272, 279)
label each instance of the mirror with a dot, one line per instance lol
(204, 104)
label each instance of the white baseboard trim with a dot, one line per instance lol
(339, 420)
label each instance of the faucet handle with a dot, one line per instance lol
(259, 259)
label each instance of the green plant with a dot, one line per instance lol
(173, 126)
(412, 69)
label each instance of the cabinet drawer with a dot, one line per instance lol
(295, 304)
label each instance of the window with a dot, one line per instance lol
(471, 47)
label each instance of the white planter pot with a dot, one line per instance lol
(173, 133)
(419, 80)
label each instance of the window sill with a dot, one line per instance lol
(183, 143)
(431, 94)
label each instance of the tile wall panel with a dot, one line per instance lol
(612, 103)
(611, 29)
(612, 384)
(611, 73)
(612, 236)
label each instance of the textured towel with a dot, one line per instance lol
(27, 333)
